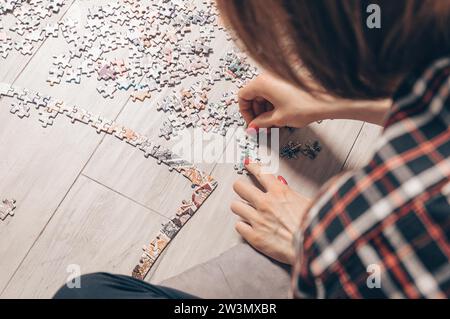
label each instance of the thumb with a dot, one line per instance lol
(266, 120)
(261, 86)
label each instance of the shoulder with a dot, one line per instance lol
(395, 209)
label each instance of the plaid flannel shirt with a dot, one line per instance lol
(383, 231)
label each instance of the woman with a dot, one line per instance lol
(393, 213)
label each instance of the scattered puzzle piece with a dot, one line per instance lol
(141, 95)
(20, 109)
(292, 149)
(7, 207)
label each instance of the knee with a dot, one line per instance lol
(89, 287)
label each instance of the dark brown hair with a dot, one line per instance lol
(331, 39)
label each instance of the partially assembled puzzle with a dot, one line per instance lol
(160, 54)
(49, 108)
(165, 42)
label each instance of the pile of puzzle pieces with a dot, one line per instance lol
(153, 37)
(7, 207)
(49, 108)
(159, 54)
(29, 27)
(192, 108)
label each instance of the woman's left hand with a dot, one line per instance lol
(270, 217)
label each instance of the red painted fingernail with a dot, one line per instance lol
(252, 128)
(247, 161)
(281, 179)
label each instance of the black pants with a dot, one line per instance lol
(108, 286)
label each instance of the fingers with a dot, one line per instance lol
(246, 212)
(266, 120)
(247, 191)
(257, 100)
(246, 109)
(259, 87)
(246, 231)
(246, 98)
(254, 96)
(259, 106)
(268, 181)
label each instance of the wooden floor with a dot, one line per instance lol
(90, 200)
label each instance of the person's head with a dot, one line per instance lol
(332, 40)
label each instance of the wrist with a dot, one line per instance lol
(368, 111)
(297, 244)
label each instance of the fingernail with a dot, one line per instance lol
(252, 128)
(247, 161)
(281, 179)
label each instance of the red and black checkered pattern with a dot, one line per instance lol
(393, 214)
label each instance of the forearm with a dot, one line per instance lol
(368, 111)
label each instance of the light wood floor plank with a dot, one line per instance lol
(13, 65)
(38, 166)
(364, 147)
(96, 229)
(211, 232)
(126, 170)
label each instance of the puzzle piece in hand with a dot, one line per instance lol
(248, 147)
(7, 208)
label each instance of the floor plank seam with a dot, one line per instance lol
(43, 229)
(53, 214)
(352, 148)
(124, 196)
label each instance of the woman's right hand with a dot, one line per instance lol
(268, 101)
